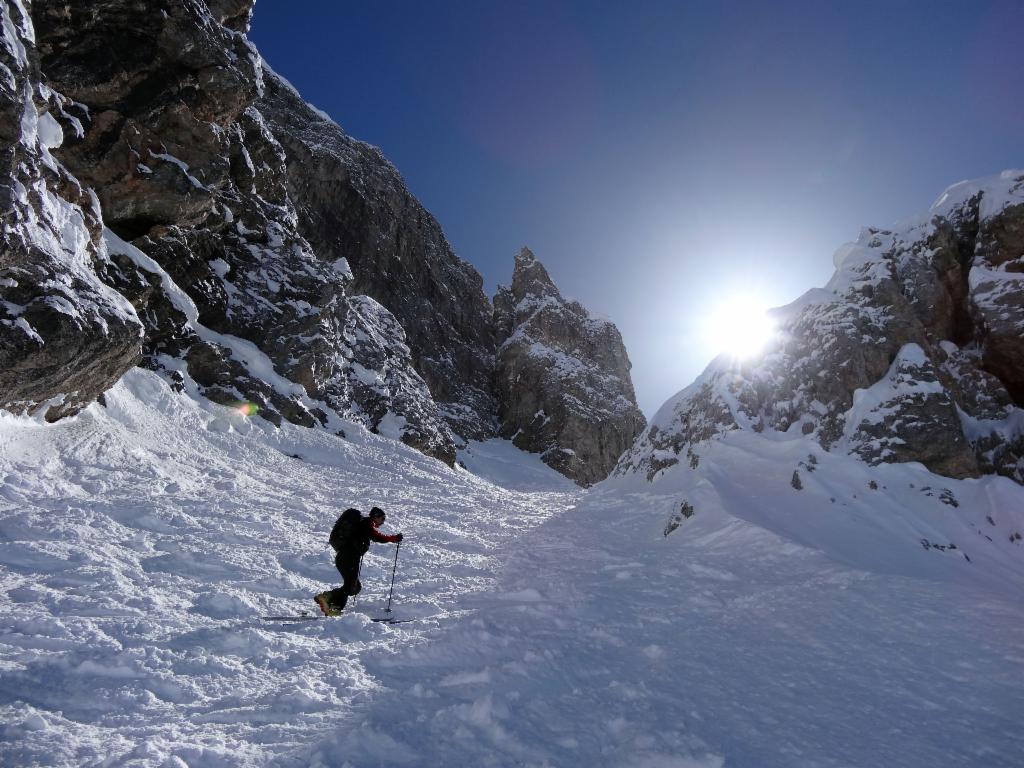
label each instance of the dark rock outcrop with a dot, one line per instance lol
(996, 282)
(914, 351)
(65, 336)
(563, 382)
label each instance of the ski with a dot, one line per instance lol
(315, 618)
(312, 617)
(389, 620)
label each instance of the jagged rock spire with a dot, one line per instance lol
(529, 277)
(562, 377)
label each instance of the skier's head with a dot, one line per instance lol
(377, 515)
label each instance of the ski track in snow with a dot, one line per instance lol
(140, 543)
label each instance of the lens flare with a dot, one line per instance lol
(246, 408)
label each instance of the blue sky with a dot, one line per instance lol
(662, 158)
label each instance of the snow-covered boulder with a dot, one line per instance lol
(911, 352)
(563, 382)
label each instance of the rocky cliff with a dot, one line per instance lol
(173, 202)
(353, 204)
(562, 376)
(65, 335)
(912, 351)
(192, 186)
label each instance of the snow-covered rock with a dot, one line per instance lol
(909, 416)
(353, 204)
(563, 382)
(190, 176)
(65, 334)
(911, 352)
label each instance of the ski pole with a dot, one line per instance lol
(359, 568)
(393, 569)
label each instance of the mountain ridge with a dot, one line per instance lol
(283, 232)
(934, 302)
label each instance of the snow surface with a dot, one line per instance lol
(996, 192)
(140, 543)
(50, 133)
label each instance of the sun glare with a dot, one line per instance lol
(739, 326)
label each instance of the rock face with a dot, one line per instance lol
(65, 336)
(189, 173)
(353, 204)
(912, 352)
(909, 416)
(563, 382)
(179, 204)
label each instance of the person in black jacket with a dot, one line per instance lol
(351, 546)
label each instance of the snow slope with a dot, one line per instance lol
(139, 544)
(774, 627)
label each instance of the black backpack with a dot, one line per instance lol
(345, 530)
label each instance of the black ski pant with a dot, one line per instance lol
(347, 564)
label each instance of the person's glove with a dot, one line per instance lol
(398, 538)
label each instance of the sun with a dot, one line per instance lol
(738, 326)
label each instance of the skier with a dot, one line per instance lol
(351, 537)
